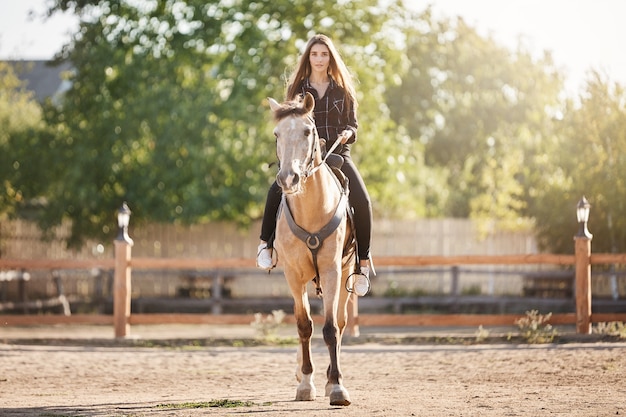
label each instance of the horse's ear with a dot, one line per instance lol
(274, 105)
(309, 102)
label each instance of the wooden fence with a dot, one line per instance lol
(123, 264)
(20, 239)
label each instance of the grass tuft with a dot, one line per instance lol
(221, 403)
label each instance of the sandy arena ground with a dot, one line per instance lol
(496, 379)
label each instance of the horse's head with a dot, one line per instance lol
(297, 146)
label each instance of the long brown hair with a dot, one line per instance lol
(337, 70)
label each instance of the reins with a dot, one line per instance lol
(328, 153)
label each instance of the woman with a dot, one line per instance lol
(321, 72)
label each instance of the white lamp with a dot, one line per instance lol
(582, 215)
(123, 219)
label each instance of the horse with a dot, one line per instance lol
(313, 199)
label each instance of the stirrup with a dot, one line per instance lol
(360, 282)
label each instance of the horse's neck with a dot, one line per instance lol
(317, 202)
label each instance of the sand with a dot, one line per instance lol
(404, 379)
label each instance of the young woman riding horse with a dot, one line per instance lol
(313, 239)
(322, 73)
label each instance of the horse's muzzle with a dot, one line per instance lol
(288, 181)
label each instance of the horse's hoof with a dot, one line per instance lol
(339, 396)
(306, 390)
(306, 394)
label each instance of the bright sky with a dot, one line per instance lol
(24, 37)
(581, 34)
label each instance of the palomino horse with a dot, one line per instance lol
(313, 200)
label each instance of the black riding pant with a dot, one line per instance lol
(359, 199)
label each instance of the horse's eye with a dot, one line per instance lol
(307, 132)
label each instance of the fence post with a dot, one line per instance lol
(583, 285)
(217, 286)
(454, 285)
(122, 278)
(582, 252)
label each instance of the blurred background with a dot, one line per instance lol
(482, 124)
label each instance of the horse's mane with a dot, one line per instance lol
(290, 108)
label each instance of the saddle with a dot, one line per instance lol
(335, 162)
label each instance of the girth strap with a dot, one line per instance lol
(314, 241)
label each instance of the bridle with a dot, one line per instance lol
(311, 168)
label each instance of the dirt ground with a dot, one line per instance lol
(400, 379)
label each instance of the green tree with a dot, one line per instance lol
(22, 129)
(590, 157)
(480, 111)
(167, 108)
(167, 111)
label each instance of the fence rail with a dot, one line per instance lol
(122, 319)
(199, 263)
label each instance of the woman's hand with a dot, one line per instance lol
(345, 136)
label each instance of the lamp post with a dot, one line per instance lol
(121, 282)
(582, 243)
(582, 215)
(123, 219)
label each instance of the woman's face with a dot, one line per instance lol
(319, 58)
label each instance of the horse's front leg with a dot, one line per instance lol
(342, 320)
(332, 336)
(304, 372)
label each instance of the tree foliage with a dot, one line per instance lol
(479, 110)
(22, 127)
(167, 106)
(590, 160)
(167, 111)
